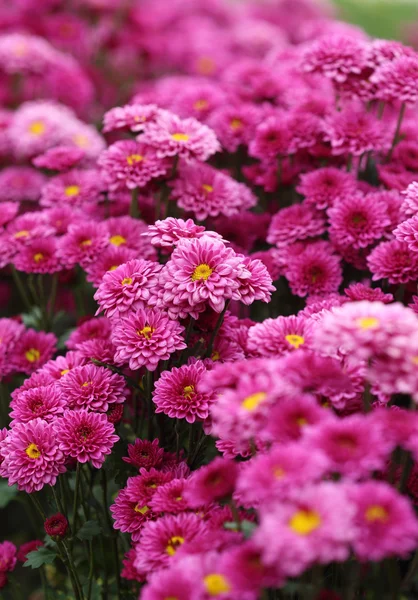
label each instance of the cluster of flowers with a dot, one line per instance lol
(241, 434)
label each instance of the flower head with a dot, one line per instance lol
(314, 270)
(45, 402)
(56, 526)
(294, 223)
(393, 261)
(33, 350)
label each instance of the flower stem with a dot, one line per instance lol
(21, 289)
(75, 502)
(216, 330)
(113, 535)
(397, 131)
(134, 208)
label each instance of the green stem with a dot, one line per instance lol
(91, 569)
(397, 131)
(21, 289)
(134, 208)
(75, 501)
(367, 398)
(113, 535)
(38, 506)
(52, 297)
(216, 330)
(413, 567)
(59, 505)
(78, 590)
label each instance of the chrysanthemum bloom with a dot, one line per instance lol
(129, 571)
(205, 191)
(323, 187)
(177, 393)
(169, 498)
(18, 184)
(24, 549)
(198, 98)
(33, 350)
(32, 457)
(131, 116)
(91, 329)
(54, 369)
(93, 388)
(130, 514)
(272, 475)
(201, 271)
(60, 158)
(82, 243)
(336, 57)
(131, 164)
(274, 337)
(272, 138)
(394, 176)
(7, 556)
(128, 287)
(295, 223)
(186, 138)
(145, 338)
(144, 454)
(407, 232)
(356, 222)
(56, 526)
(101, 350)
(160, 540)
(142, 487)
(128, 232)
(386, 522)
(360, 291)
(8, 212)
(85, 436)
(317, 527)
(178, 581)
(396, 80)
(110, 259)
(394, 261)
(234, 125)
(27, 227)
(45, 402)
(410, 203)
(168, 233)
(258, 286)
(315, 270)
(10, 331)
(211, 482)
(38, 256)
(77, 188)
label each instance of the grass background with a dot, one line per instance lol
(381, 18)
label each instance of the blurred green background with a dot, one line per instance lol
(393, 19)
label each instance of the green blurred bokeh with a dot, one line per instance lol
(381, 18)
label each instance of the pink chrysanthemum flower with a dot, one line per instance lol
(76, 188)
(27, 547)
(336, 57)
(274, 337)
(145, 338)
(215, 481)
(315, 270)
(130, 514)
(258, 286)
(96, 328)
(33, 350)
(129, 287)
(60, 158)
(234, 125)
(144, 454)
(205, 191)
(10, 332)
(177, 393)
(169, 498)
(93, 388)
(131, 164)
(8, 212)
(272, 138)
(85, 436)
(201, 271)
(38, 256)
(186, 138)
(27, 227)
(360, 291)
(356, 222)
(32, 457)
(131, 116)
(45, 402)
(128, 232)
(82, 243)
(110, 259)
(18, 184)
(168, 233)
(143, 486)
(55, 369)
(178, 581)
(323, 186)
(393, 261)
(316, 527)
(291, 419)
(295, 223)
(129, 571)
(101, 350)
(160, 539)
(407, 232)
(396, 80)
(386, 522)
(410, 203)
(8, 557)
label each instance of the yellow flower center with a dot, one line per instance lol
(127, 281)
(216, 584)
(207, 188)
(82, 141)
(146, 331)
(32, 355)
(188, 391)
(202, 271)
(65, 371)
(72, 190)
(278, 472)
(113, 267)
(376, 513)
(134, 158)
(301, 421)
(295, 340)
(180, 137)
(173, 544)
(414, 359)
(86, 383)
(86, 243)
(206, 65)
(200, 104)
(304, 522)
(37, 128)
(117, 240)
(367, 322)
(20, 234)
(236, 124)
(215, 355)
(253, 401)
(141, 509)
(33, 451)
(38, 257)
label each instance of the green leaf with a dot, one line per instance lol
(42, 556)
(6, 493)
(89, 530)
(247, 527)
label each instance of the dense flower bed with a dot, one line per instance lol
(209, 333)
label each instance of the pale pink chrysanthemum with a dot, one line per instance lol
(295, 223)
(110, 259)
(407, 232)
(33, 350)
(146, 338)
(38, 256)
(82, 243)
(59, 158)
(322, 187)
(394, 261)
(129, 287)
(259, 285)
(168, 233)
(85, 436)
(274, 337)
(396, 80)
(46, 402)
(31, 456)
(18, 184)
(76, 188)
(315, 270)
(132, 117)
(335, 56)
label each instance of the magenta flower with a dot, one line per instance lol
(19, 184)
(110, 259)
(394, 261)
(96, 328)
(360, 291)
(396, 80)
(76, 188)
(168, 233)
(169, 498)
(274, 337)
(145, 454)
(323, 186)
(33, 350)
(8, 557)
(60, 158)
(82, 243)
(294, 223)
(38, 256)
(408, 232)
(336, 57)
(45, 402)
(259, 285)
(129, 514)
(315, 270)
(132, 117)
(235, 125)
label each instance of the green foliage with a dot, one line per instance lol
(42, 556)
(89, 530)
(7, 494)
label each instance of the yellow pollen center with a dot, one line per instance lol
(134, 158)
(86, 384)
(215, 355)
(72, 190)
(146, 331)
(367, 322)
(20, 234)
(216, 584)
(38, 257)
(37, 128)
(81, 140)
(173, 544)
(113, 267)
(305, 522)
(33, 451)
(180, 137)
(117, 240)
(206, 65)
(171, 598)
(127, 281)
(188, 391)
(295, 340)
(376, 513)
(141, 509)
(178, 498)
(65, 371)
(86, 243)
(301, 421)
(32, 355)
(200, 104)
(278, 472)
(207, 188)
(253, 401)
(236, 124)
(202, 271)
